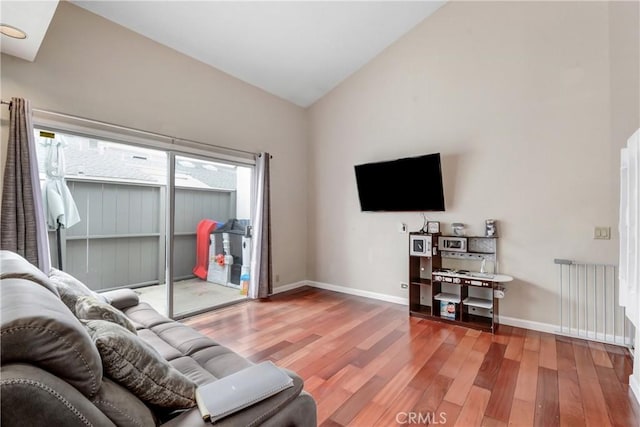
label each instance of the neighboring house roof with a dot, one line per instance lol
(90, 158)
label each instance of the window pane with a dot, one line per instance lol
(120, 194)
(207, 264)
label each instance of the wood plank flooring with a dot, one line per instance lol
(367, 363)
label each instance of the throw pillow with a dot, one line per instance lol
(138, 367)
(89, 308)
(70, 288)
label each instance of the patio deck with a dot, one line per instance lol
(189, 295)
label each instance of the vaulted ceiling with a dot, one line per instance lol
(297, 50)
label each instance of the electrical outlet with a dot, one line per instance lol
(277, 278)
(602, 233)
(403, 285)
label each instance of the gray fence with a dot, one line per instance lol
(120, 240)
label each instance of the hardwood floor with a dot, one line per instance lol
(367, 363)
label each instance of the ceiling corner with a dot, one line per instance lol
(32, 17)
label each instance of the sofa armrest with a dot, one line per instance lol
(301, 412)
(292, 407)
(121, 298)
(35, 397)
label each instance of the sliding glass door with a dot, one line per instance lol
(173, 228)
(211, 216)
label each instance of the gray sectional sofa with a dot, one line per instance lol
(52, 371)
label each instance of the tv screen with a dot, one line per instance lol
(403, 185)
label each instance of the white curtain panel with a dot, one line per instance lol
(629, 277)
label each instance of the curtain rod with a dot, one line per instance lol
(126, 128)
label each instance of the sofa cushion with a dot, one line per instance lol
(162, 347)
(121, 406)
(70, 288)
(16, 267)
(34, 397)
(89, 308)
(190, 368)
(220, 361)
(183, 338)
(138, 367)
(143, 314)
(37, 328)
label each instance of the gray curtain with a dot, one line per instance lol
(261, 269)
(22, 225)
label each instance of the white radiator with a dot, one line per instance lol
(589, 303)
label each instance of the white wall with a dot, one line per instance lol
(90, 67)
(516, 97)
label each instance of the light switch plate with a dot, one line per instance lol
(602, 233)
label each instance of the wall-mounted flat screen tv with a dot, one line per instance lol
(412, 184)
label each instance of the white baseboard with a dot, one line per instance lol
(529, 324)
(511, 321)
(504, 320)
(359, 292)
(290, 286)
